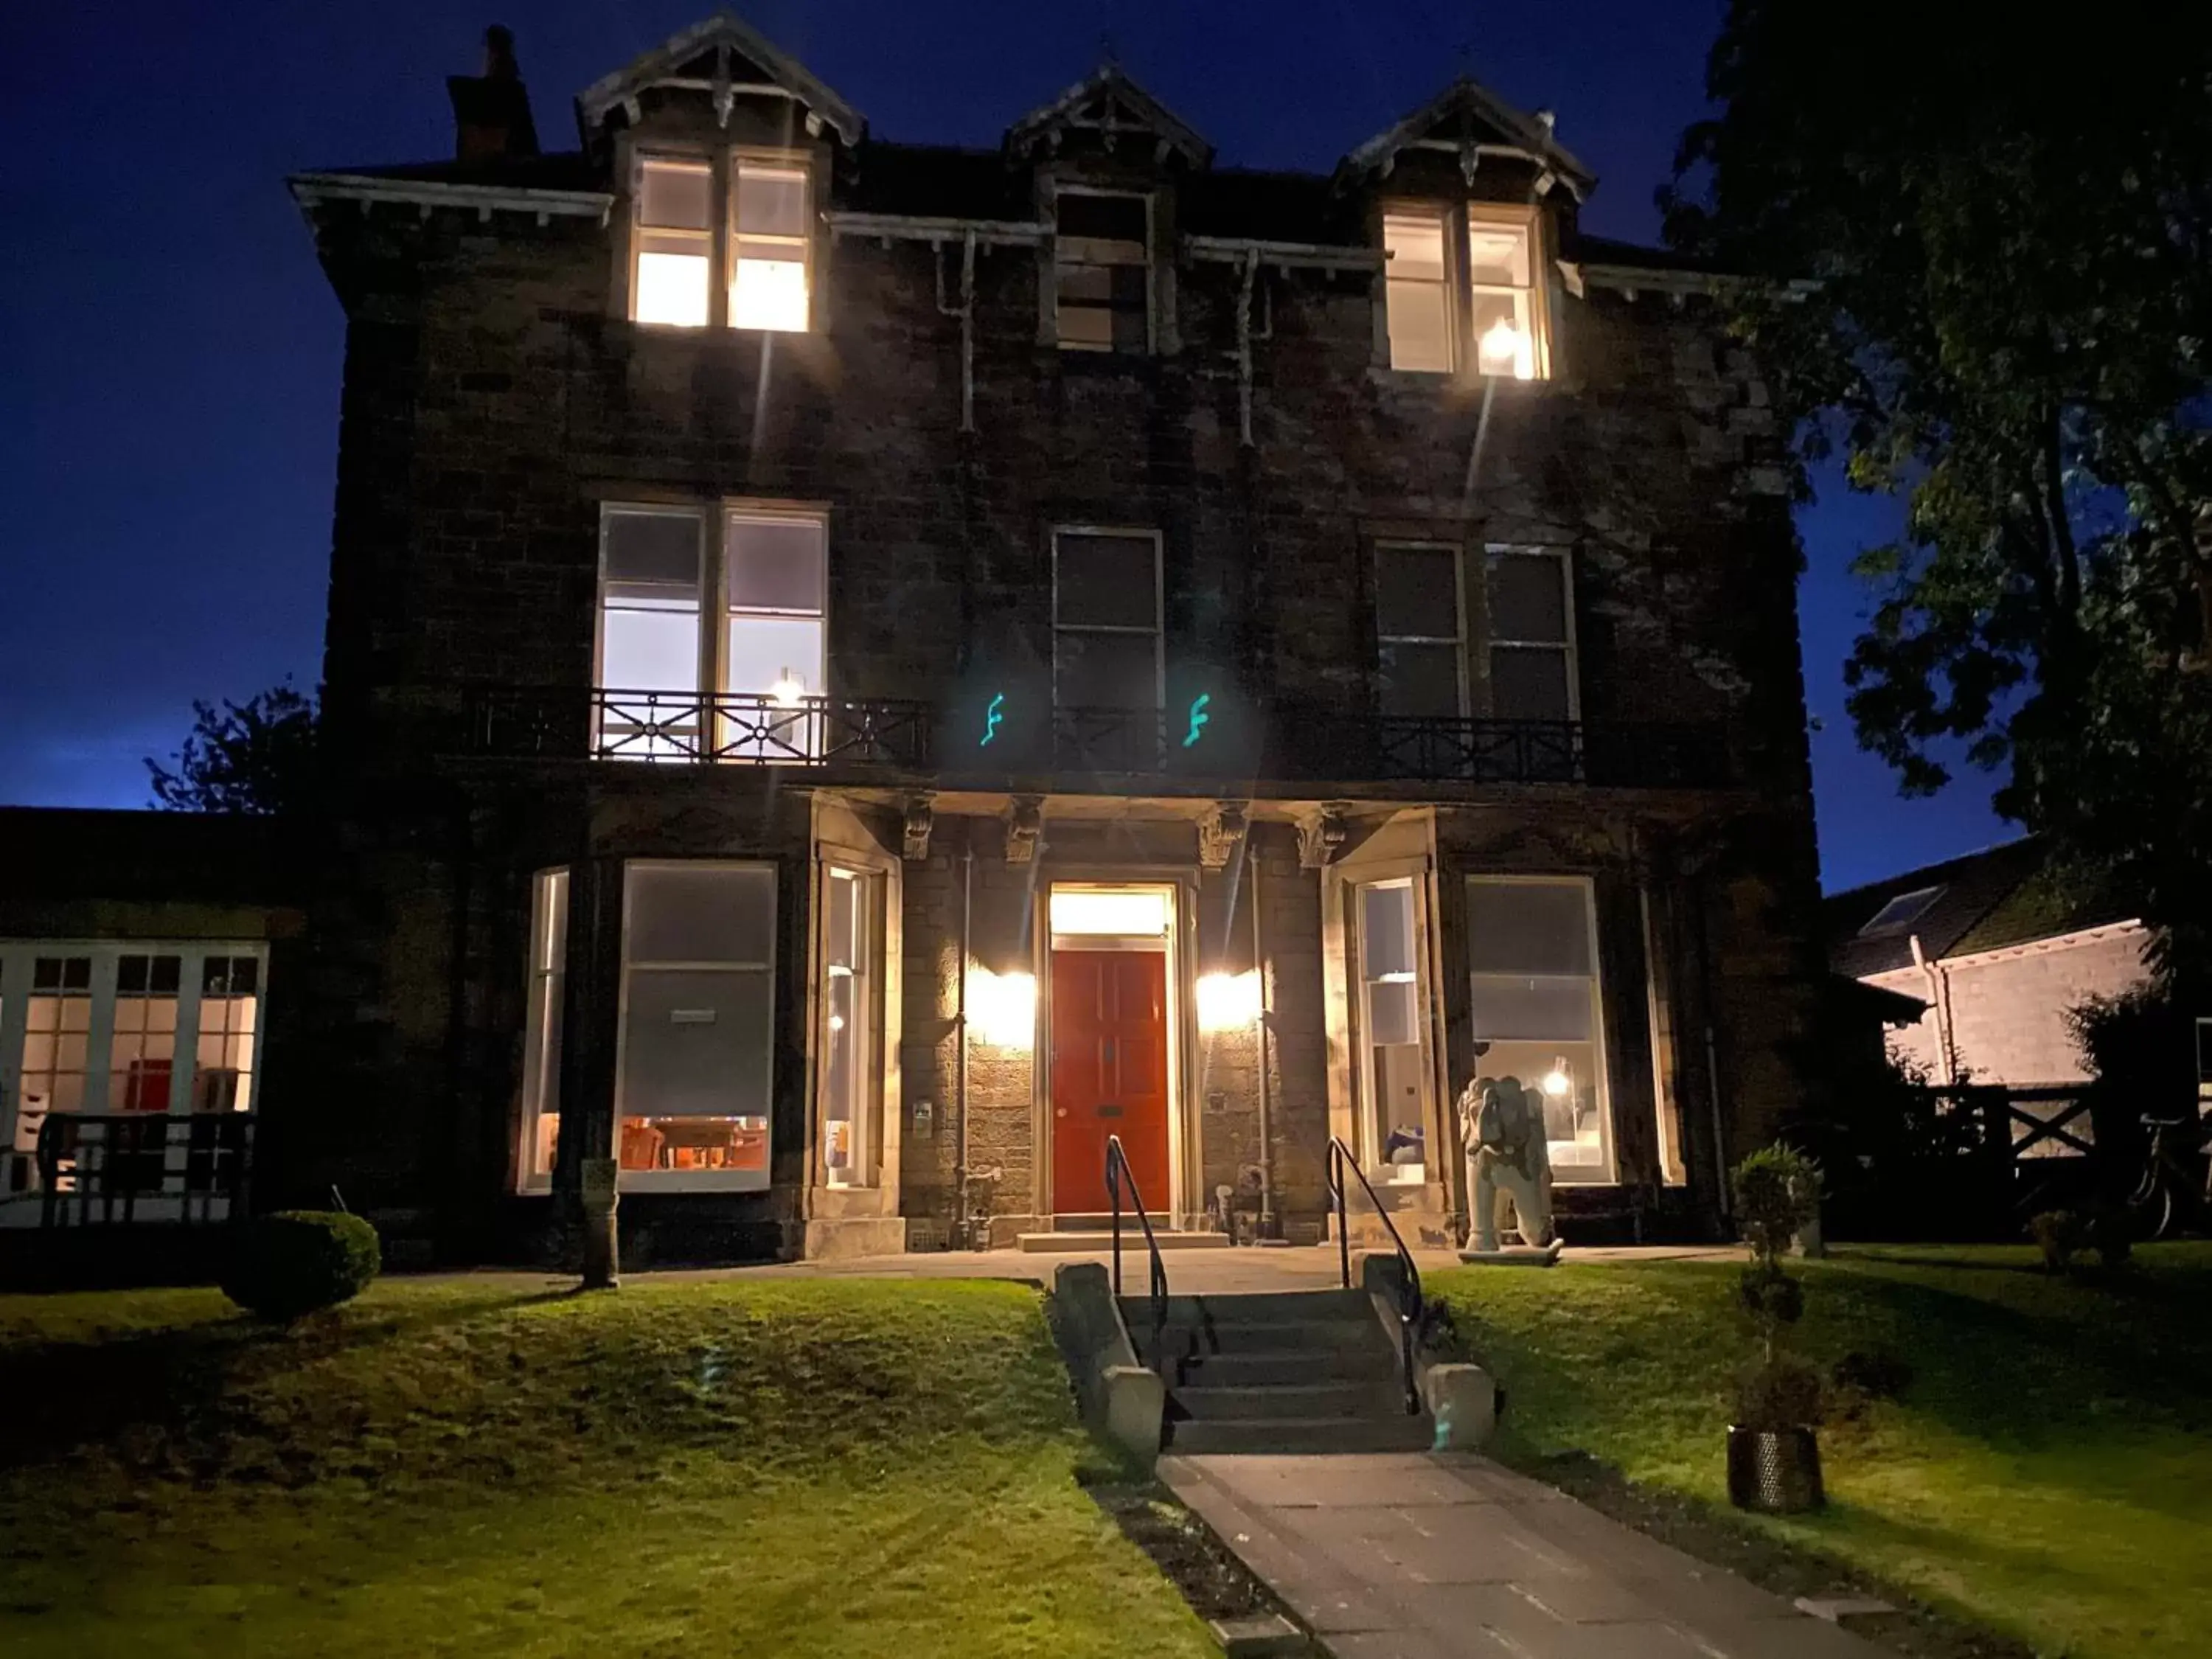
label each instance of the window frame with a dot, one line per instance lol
(1157, 631)
(724, 166)
(698, 1180)
(1150, 262)
(1568, 645)
(1458, 219)
(1458, 640)
(544, 1026)
(871, 893)
(1373, 1131)
(1607, 1171)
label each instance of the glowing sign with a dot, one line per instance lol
(992, 718)
(1198, 717)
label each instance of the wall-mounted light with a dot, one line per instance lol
(1228, 1002)
(789, 690)
(1002, 1008)
(1557, 1082)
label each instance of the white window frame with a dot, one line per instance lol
(1373, 1129)
(698, 1180)
(1606, 1171)
(545, 983)
(17, 958)
(1569, 646)
(1528, 301)
(719, 241)
(865, 1073)
(1446, 284)
(705, 672)
(1457, 639)
(1064, 247)
(1157, 631)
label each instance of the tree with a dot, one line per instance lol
(1981, 250)
(256, 757)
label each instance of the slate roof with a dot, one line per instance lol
(2002, 895)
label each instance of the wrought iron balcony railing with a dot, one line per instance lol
(904, 736)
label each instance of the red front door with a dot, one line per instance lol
(1110, 1075)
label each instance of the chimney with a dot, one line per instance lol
(491, 111)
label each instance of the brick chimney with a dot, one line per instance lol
(491, 111)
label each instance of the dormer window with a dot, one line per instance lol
(763, 242)
(1483, 309)
(1103, 271)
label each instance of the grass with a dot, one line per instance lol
(2046, 1475)
(835, 1468)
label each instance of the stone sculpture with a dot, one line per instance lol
(1507, 1160)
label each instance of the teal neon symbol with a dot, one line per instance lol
(1198, 717)
(992, 717)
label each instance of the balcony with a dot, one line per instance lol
(897, 740)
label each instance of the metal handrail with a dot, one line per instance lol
(1117, 1171)
(1409, 1279)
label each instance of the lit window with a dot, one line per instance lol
(1103, 273)
(1111, 911)
(675, 243)
(767, 280)
(1422, 664)
(1502, 317)
(694, 1067)
(1393, 1070)
(229, 1009)
(142, 1051)
(1418, 293)
(1106, 619)
(1532, 635)
(775, 579)
(768, 255)
(649, 634)
(852, 909)
(1486, 312)
(1532, 966)
(541, 1045)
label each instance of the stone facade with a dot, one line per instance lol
(496, 397)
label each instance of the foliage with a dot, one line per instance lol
(845, 1468)
(1778, 1196)
(1990, 285)
(2035, 1403)
(2058, 1234)
(2140, 1048)
(255, 757)
(1781, 1392)
(300, 1262)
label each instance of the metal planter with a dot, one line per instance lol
(1774, 1471)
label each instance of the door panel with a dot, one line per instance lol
(1109, 1074)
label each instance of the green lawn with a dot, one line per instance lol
(2047, 1474)
(840, 1467)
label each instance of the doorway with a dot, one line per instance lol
(1111, 1044)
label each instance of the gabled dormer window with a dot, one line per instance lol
(1468, 301)
(1103, 271)
(749, 217)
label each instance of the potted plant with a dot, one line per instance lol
(1773, 1456)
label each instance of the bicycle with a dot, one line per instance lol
(2175, 1181)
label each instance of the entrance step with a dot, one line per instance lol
(1133, 1243)
(1291, 1402)
(1283, 1435)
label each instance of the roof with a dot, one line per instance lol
(1108, 102)
(2002, 895)
(51, 856)
(1472, 111)
(721, 52)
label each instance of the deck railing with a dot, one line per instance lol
(101, 1169)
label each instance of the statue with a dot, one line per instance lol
(1507, 1160)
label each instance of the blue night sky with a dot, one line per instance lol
(172, 352)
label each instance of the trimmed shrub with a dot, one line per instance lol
(298, 1260)
(1782, 1392)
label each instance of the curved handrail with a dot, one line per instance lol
(1409, 1278)
(1117, 1171)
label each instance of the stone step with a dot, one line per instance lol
(1268, 1337)
(1254, 1308)
(1356, 1399)
(1401, 1432)
(1369, 1362)
(1087, 1242)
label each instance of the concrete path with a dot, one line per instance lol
(1448, 1556)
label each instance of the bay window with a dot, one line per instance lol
(751, 215)
(1393, 1062)
(1470, 299)
(544, 989)
(1536, 1010)
(696, 1055)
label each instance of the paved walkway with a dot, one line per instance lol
(1448, 1556)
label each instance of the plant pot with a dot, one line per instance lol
(1774, 1471)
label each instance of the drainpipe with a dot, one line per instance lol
(1244, 348)
(1259, 1041)
(1939, 1003)
(960, 1061)
(1712, 1055)
(965, 310)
